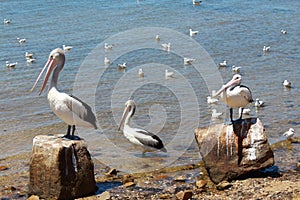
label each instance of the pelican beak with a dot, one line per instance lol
(125, 113)
(224, 87)
(51, 63)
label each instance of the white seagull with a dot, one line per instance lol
(235, 69)
(106, 61)
(166, 46)
(211, 100)
(107, 46)
(30, 60)
(259, 103)
(28, 55)
(21, 40)
(283, 32)
(67, 48)
(196, 2)
(122, 66)
(235, 95)
(157, 38)
(216, 114)
(188, 61)
(168, 74)
(6, 21)
(266, 48)
(141, 73)
(11, 65)
(289, 134)
(223, 64)
(139, 136)
(287, 84)
(192, 33)
(70, 109)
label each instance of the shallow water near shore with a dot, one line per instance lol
(234, 31)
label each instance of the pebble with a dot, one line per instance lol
(33, 197)
(184, 195)
(104, 196)
(181, 178)
(111, 172)
(201, 184)
(224, 185)
(2, 168)
(129, 184)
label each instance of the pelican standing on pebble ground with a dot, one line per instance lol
(235, 95)
(70, 109)
(138, 136)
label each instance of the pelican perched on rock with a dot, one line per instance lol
(69, 108)
(235, 95)
(139, 136)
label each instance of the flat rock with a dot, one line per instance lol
(184, 195)
(230, 151)
(60, 168)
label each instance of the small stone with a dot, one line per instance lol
(224, 185)
(33, 197)
(2, 168)
(201, 184)
(129, 184)
(180, 178)
(111, 172)
(104, 196)
(165, 196)
(127, 178)
(298, 164)
(184, 195)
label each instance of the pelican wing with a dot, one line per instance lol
(149, 139)
(82, 110)
(246, 93)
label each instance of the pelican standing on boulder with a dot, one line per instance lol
(139, 136)
(70, 109)
(235, 95)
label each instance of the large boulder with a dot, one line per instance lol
(230, 151)
(61, 168)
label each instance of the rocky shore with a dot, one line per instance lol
(282, 181)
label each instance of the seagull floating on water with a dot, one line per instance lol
(223, 64)
(235, 69)
(30, 60)
(106, 61)
(69, 108)
(287, 84)
(216, 114)
(266, 48)
(192, 33)
(211, 100)
(122, 66)
(141, 137)
(168, 74)
(67, 48)
(11, 65)
(283, 32)
(6, 21)
(141, 73)
(235, 95)
(107, 46)
(289, 134)
(166, 46)
(28, 55)
(21, 40)
(196, 2)
(188, 61)
(157, 38)
(259, 103)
